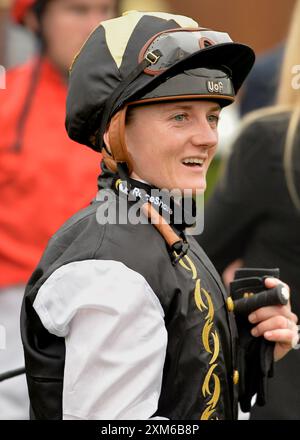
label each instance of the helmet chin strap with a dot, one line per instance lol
(117, 144)
(120, 161)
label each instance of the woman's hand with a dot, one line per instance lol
(276, 323)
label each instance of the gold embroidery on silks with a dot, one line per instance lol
(198, 298)
(192, 266)
(210, 339)
(216, 347)
(184, 265)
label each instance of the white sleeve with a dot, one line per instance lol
(115, 338)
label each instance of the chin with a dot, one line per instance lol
(195, 187)
(186, 185)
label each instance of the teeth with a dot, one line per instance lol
(194, 160)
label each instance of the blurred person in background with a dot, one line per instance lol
(260, 88)
(258, 199)
(44, 176)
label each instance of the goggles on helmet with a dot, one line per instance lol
(165, 49)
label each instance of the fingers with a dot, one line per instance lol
(275, 323)
(294, 318)
(285, 338)
(281, 330)
(268, 312)
(272, 282)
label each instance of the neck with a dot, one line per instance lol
(135, 177)
(177, 210)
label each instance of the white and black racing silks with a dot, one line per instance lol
(199, 371)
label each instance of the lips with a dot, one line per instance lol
(193, 162)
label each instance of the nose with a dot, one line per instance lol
(204, 135)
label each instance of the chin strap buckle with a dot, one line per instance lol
(179, 250)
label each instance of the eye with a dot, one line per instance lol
(180, 117)
(78, 9)
(213, 119)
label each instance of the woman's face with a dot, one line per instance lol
(172, 144)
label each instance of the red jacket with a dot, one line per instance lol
(47, 180)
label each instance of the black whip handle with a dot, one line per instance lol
(271, 297)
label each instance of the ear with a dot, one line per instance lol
(109, 161)
(106, 140)
(31, 21)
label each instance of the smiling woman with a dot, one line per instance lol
(128, 319)
(187, 133)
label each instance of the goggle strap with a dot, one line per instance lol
(110, 103)
(177, 246)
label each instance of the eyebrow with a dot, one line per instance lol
(188, 107)
(215, 108)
